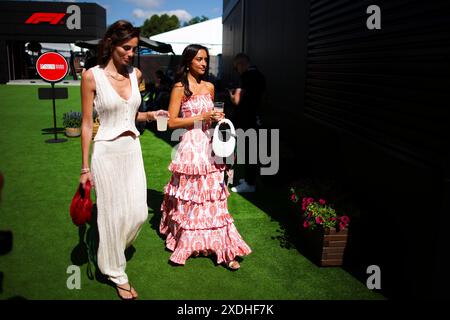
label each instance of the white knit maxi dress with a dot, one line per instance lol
(118, 173)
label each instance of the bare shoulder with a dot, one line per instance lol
(178, 89)
(176, 96)
(88, 75)
(210, 87)
(87, 78)
(138, 73)
(178, 85)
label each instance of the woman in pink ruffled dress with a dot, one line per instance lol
(195, 217)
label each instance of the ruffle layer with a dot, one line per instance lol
(195, 168)
(224, 242)
(179, 214)
(191, 194)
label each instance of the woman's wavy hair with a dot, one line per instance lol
(187, 56)
(117, 33)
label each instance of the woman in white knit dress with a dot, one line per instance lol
(117, 165)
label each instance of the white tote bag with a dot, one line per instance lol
(222, 148)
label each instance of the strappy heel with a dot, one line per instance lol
(233, 265)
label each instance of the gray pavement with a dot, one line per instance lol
(34, 82)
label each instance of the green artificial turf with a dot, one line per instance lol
(41, 178)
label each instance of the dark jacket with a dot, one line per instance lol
(253, 86)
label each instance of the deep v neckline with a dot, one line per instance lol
(115, 91)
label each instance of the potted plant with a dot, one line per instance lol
(324, 233)
(72, 123)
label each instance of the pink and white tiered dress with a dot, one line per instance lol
(195, 217)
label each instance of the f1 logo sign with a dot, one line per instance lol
(73, 20)
(50, 17)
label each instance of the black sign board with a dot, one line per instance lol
(55, 93)
(43, 21)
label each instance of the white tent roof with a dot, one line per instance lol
(62, 48)
(207, 33)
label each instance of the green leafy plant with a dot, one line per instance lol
(319, 213)
(72, 119)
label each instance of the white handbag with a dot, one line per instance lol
(224, 148)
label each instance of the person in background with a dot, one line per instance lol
(90, 61)
(116, 162)
(161, 94)
(73, 70)
(247, 101)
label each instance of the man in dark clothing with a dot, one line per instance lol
(163, 86)
(247, 99)
(90, 60)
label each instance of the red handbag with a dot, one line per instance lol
(81, 206)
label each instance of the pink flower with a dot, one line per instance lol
(345, 219)
(293, 198)
(305, 224)
(319, 220)
(342, 225)
(304, 206)
(309, 215)
(322, 202)
(310, 200)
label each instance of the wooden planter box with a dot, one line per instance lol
(325, 247)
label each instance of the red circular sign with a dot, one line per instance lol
(52, 66)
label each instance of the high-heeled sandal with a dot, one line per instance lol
(233, 265)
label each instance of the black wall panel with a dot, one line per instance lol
(388, 86)
(14, 14)
(232, 43)
(385, 94)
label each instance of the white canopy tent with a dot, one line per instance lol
(207, 33)
(62, 48)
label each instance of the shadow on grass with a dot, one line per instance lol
(272, 197)
(154, 201)
(85, 251)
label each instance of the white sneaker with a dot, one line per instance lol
(243, 188)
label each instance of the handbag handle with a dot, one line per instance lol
(229, 123)
(86, 191)
(224, 148)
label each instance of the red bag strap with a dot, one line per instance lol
(86, 191)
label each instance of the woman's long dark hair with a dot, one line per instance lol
(117, 33)
(188, 55)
